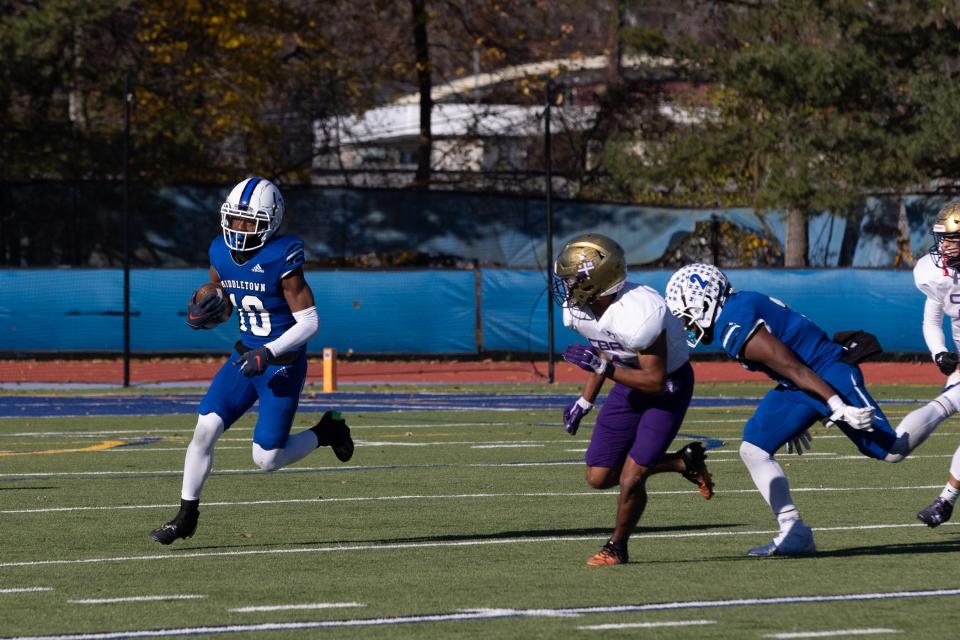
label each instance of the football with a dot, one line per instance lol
(204, 290)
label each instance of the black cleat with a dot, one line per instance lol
(180, 527)
(694, 458)
(332, 431)
(936, 514)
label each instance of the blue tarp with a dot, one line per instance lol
(399, 312)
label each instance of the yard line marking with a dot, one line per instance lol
(26, 589)
(489, 614)
(643, 625)
(291, 607)
(830, 634)
(506, 446)
(186, 596)
(188, 555)
(396, 467)
(454, 496)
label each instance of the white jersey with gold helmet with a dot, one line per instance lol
(631, 324)
(942, 288)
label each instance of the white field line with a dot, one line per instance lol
(185, 596)
(187, 428)
(644, 625)
(506, 446)
(25, 589)
(396, 467)
(294, 607)
(830, 634)
(490, 614)
(188, 555)
(454, 496)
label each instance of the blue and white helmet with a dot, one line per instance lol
(257, 200)
(696, 294)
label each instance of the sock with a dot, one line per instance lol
(950, 494)
(189, 506)
(770, 480)
(917, 425)
(788, 517)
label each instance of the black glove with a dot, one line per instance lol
(947, 361)
(200, 313)
(254, 362)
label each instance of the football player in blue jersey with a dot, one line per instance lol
(263, 275)
(815, 380)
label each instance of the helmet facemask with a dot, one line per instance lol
(238, 240)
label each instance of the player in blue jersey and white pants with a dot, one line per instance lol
(263, 275)
(815, 382)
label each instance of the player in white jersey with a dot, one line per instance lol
(936, 275)
(636, 342)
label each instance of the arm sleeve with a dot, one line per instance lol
(306, 326)
(933, 326)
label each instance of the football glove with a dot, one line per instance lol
(588, 359)
(200, 313)
(799, 442)
(573, 414)
(859, 418)
(254, 362)
(947, 362)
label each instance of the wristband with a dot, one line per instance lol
(584, 404)
(835, 403)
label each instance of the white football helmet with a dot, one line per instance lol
(696, 294)
(254, 200)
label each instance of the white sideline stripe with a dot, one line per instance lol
(186, 596)
(488, 614)
(456, 496)
(643, 625)
(292, 607)
(830, 634)
(431, 545)
(187, 430)
(26, 589)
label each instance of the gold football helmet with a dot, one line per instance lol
(588, 267)
(946, 236)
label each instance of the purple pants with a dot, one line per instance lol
(640, 424)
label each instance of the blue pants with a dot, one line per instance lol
(231, 394)
(785, 412)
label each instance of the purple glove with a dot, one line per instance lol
(573, 414)
(254, 362)
(588, 359)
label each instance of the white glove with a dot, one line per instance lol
(800, 442)
(859, 418)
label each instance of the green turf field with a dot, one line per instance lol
(466, 524)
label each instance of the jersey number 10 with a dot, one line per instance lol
(253, 317)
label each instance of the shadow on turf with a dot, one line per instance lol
(500, 535)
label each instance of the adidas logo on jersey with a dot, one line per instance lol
(257, 268)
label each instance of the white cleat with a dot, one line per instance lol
(796, 541)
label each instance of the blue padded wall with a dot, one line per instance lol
(416, 312)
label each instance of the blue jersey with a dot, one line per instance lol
(254, 287)
(746, 312)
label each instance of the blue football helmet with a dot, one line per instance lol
(254, 200)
